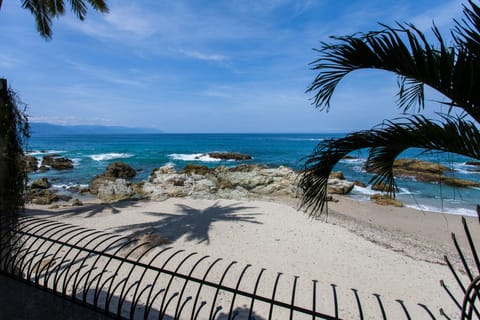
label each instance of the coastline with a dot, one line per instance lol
(357, 245)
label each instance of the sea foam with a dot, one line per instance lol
(457, 211)
(193, 157)
(43, 152)
(110, 156)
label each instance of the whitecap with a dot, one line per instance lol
(204, 157)
(456, 211)
(110, 156)
(43, 152)
(76, 162)
(304, 139)
(354, 160)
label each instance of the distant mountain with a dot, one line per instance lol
(43, 128)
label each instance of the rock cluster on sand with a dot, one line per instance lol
(38, 192)
(240, 182)
(112, 185)
(197, 181)
(385, 200)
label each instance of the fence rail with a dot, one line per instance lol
(125, 278)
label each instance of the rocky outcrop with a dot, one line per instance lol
(77, 203)
(112, 185)
(38, 192)
(473, 163)
(41, 196)
(229, 156)
(41, 183)
(240, 182)
(337, 186)
(381, 187)
(114, 171)
(337, 175)
(31, 164)
(427, 172)
(119, 170)
(118, 189)
(56, 162)
(385, 200)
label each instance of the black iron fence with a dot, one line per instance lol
(126, 278)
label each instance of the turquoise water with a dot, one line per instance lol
(92, 154)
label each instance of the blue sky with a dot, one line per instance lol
(203, 66)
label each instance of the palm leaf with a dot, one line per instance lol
(404, 50)
(45, 10)
(385, 144)
(41, 10)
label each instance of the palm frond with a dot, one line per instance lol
(411, 93)
(99, 5)
(79, 8)
(44, 10)
(467, 31)
(56, 7)
(385, 144)
(405, 51)
(42, 14)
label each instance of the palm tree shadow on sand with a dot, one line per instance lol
(192, 223)
(89, 210)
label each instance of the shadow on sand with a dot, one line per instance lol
(193, 223)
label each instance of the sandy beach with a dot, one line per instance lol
(394, 252)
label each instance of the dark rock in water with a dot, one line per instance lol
(427, 172)
(31, 163)
(196, 169)
(43, 168)
(473, 163)
(229, 156)
(56, 162)
(41, 183)
(119, 170)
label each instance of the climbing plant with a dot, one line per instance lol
(14, 130)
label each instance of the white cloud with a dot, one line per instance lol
(442, 15)
(7, 61)
(71, 120)
(105, 74)
(203, 56)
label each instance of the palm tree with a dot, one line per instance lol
(45, 10)
(404, 50)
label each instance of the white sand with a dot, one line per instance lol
(395, 252)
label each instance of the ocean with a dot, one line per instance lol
(144, 152)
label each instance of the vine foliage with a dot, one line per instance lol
(14, 130)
